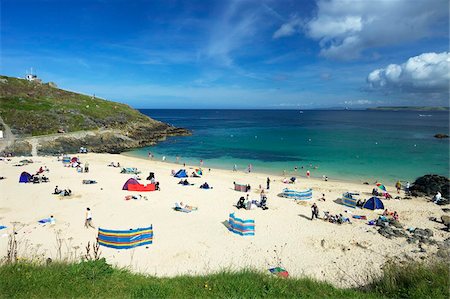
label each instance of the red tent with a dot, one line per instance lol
(127, 184)
(139, 187)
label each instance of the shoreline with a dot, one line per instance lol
(289, 174)
(199, 242)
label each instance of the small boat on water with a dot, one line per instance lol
(425, 115)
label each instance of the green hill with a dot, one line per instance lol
(39, 109)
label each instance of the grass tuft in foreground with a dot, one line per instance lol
(98, 279)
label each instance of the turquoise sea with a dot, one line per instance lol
(346, 145)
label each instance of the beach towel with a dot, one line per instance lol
(45, 220)
(181, 209)
(360, 217)
(2, 227)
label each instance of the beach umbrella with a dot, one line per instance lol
(279, 272)
(381, 186)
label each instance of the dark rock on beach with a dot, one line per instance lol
(430, 184)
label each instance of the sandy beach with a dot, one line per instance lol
(199, 242)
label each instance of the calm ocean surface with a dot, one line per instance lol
(349, 145)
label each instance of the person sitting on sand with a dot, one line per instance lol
(241, 203)
(285, 181)
(57, 191)
(395, 216)
(205, 185)
(386, 212)
(344, 219)
(387, 195)
(323, 197)
(157, 188)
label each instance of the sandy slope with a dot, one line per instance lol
(199, 242)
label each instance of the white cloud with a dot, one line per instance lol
(345, 28)
(428, 72)
(291, 27)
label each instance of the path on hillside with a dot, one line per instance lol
(8, 136)
(36, 140)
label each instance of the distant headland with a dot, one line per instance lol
(409, 108)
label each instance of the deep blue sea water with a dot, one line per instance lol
(349, 145)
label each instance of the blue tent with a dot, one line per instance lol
(25, 177)
(373, 203)
(181, 174)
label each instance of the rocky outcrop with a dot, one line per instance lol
(115, 141)
(430, 184)
(18, 148)
(441, 136)
(108, 142)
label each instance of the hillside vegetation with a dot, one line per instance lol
(31, 108)
(97, 279)
(32, 114)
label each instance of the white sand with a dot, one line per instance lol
(198, 242)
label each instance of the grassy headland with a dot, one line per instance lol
(98, 279)
(38, 109)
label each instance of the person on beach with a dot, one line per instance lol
(164, 158)
(407, 188)
(86, 167)
(268, 183)
(235, 167)
(308, 174)
(398, 186)
(88, 221)
(314, 211)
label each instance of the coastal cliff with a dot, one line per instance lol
(39, 118)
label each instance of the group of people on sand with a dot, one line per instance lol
(394, 214)
(184, 182)
(246, 203)
(112, 164)
(63, 192)
(338, 219)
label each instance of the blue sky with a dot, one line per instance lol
(234, 54)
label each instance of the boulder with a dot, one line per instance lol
(430, 184)
(441, 136)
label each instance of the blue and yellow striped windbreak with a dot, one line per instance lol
(125, 239)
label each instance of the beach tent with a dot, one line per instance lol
(181, 174)
(240, 226)
(25, 177)
(142, 188)
(374, 203)
(129, 182)
(74, 160)
(125, 239)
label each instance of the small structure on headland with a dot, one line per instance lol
(32, 77)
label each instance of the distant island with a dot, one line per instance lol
(409, 108)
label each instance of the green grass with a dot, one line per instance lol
(98, 279)
(37, 109)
